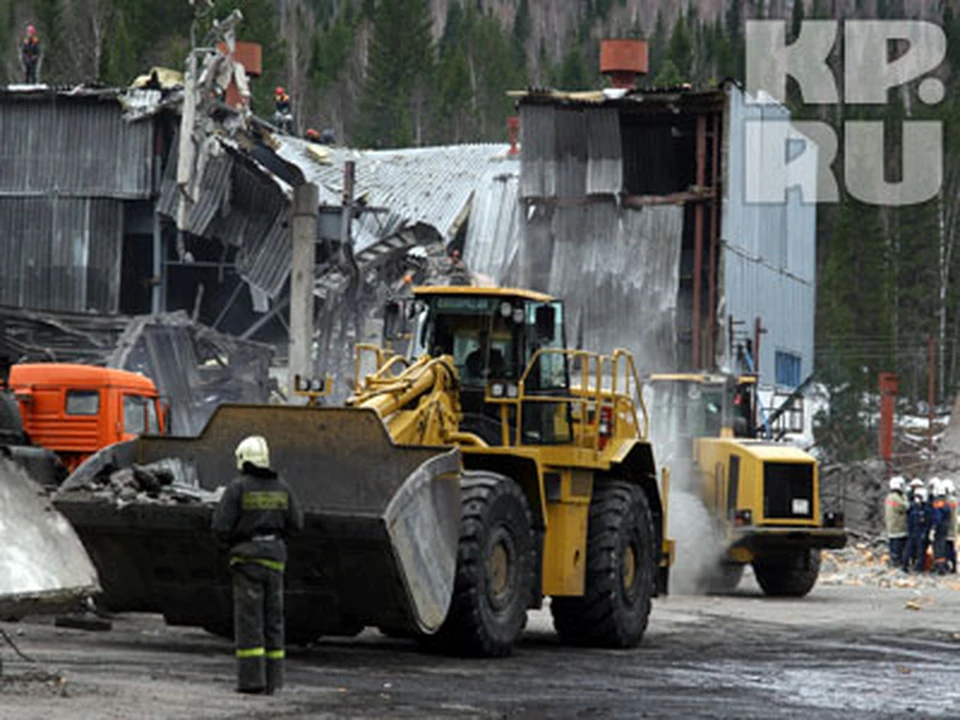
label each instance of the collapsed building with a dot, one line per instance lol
(627, 203)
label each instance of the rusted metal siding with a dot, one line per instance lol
(78, 146)
(60, 253)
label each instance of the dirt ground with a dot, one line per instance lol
(845, 651)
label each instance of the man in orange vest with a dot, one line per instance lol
(30, 55)
(938, 523)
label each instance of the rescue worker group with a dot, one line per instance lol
(921, 525)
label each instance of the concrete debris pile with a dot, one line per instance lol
(857, 490)
(43, 566)
(868, 564)
(170, 481)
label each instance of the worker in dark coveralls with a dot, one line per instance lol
(256, 515)
(30, 55)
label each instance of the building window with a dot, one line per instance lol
(83, 402)
(788, 369)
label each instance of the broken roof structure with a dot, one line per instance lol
(634, 208)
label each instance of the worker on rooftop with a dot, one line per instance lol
(255, 516)
(30, 55)
(283, 114)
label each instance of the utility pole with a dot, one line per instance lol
(931, 388)
(306, 199)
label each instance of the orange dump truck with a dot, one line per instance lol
(74, 410)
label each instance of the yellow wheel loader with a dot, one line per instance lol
(484, 469)
(762, 497)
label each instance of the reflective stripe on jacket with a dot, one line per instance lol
(255, 515)
(895, 515)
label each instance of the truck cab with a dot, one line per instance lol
(74, 410)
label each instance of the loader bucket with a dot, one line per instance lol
(43, 566)
(381, 529)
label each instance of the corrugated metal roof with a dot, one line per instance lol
(429, 185)
(61, 253)
(493, 233)
(72, 145)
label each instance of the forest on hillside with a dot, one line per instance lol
(391, 73)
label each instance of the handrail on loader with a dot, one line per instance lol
(385, 359)
(590, 392)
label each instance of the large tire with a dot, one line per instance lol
(496, 568)
(788, 575)
(620, 572)
(725, 578)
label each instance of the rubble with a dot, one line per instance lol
(170, 481)
(867, 563)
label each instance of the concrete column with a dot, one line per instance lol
(304, 235)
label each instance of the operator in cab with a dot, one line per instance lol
(255, 517)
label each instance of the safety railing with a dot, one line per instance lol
(602, 398)
(386, 362)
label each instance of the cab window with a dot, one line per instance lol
(83, 402)
(139, 415)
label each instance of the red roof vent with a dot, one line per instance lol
(623, 60)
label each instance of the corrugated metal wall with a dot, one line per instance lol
(60, 253)
(769, 252)
(79, 146)
(569, 151)
(67, 163)
(616, 268)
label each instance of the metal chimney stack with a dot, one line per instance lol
(623, 61)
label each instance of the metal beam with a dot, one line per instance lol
(714, 242)
(701, 145)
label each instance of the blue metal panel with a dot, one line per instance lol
(769, 253)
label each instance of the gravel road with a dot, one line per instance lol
(842, 652)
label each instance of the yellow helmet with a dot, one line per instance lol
(253, 450)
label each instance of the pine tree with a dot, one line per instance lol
(658, 43)
(393, 107)
(522, 29)
(118, 63)
(680, 50)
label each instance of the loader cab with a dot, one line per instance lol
(492, 335)
(687, 406)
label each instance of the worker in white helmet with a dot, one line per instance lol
(939, 521)
(950, 491)
(255, 516)
(895, 519)
(918, 529)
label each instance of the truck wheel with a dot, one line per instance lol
(495, 568)
(788, 575)
(614, 608)
(725, 578)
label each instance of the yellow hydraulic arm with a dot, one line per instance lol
(420, 406)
